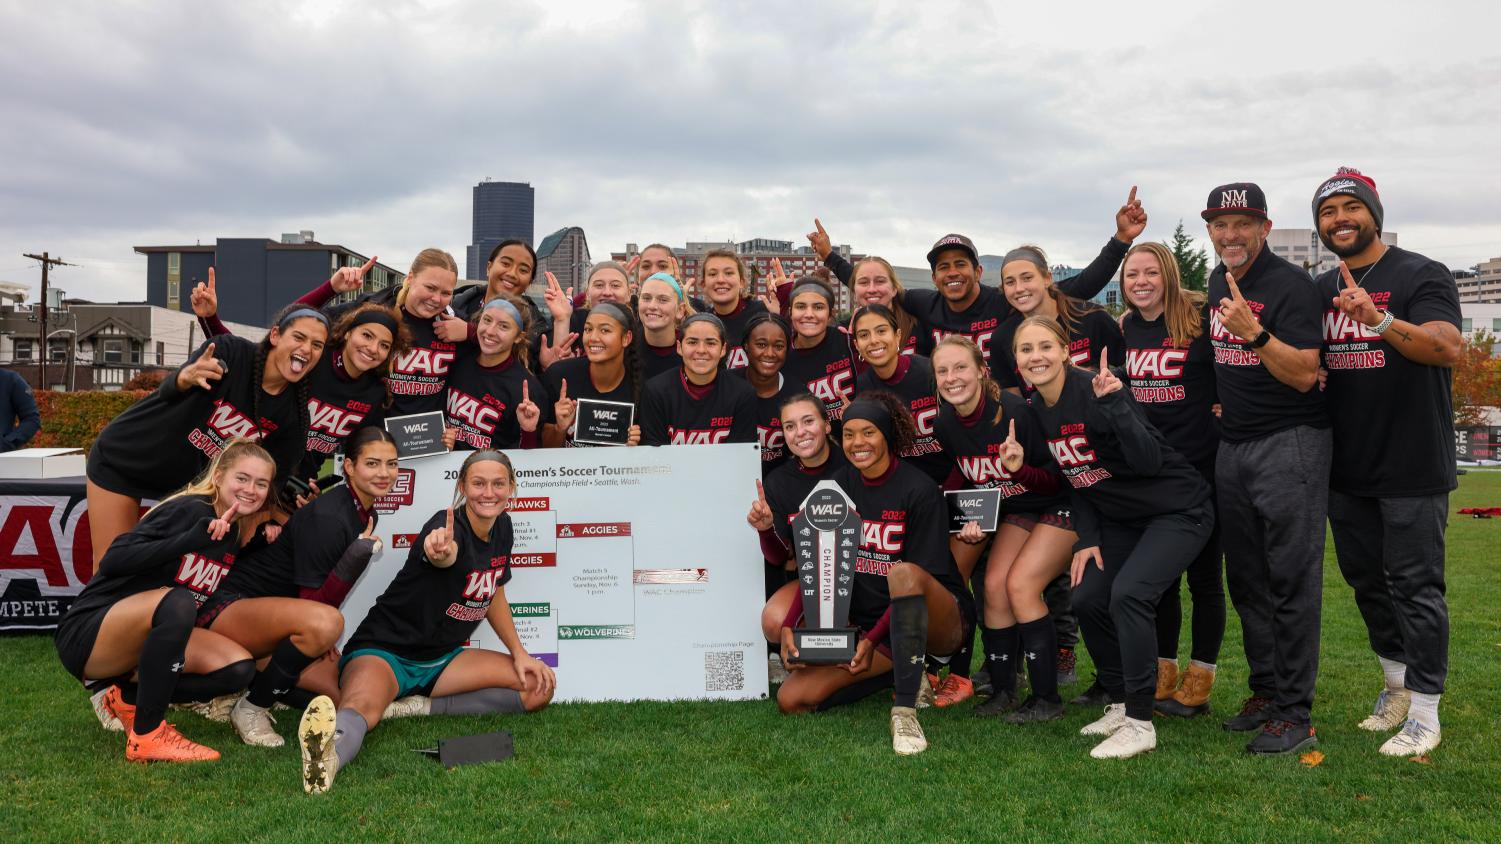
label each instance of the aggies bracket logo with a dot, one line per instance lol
(403, 540)
(400, 495)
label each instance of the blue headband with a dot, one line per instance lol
(509, 308)
(678, 288)
(299, 314)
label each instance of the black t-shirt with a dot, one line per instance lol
(1393, 417)
(337, 405)
(904, 520)
(418, 377)
(481, 401)
(1286, 303)
(790, 484)
(1174, 386)
(311, 542)
(581, 386)
(1118, 465)
(171, 546)
(823, 370)
(1095, 330)
(674, 412)
(769, 424)
(974, 444)
(165, 440)
(468, 300)
(656, 360)
(913, 383)
(428, 611)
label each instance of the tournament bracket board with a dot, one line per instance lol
(634, 573)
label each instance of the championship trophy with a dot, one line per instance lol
(827, 534)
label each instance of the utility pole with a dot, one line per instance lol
(47, 263)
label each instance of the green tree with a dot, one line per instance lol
(1193, 264)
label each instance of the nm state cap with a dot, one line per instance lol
(953, 241)
(1237, 198)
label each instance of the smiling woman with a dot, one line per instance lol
(697, 405)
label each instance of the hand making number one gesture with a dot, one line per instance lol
(819, 240)
(1104, 384)
(201, 372)
(346, 279)
(760, 512)
(1131, 219)
(205, 298)
(440, 547)
(1011, 450)
(1354, 302)
(219, 527)
(1235, 312)
(527, 412)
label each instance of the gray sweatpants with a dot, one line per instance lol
(1273, 495)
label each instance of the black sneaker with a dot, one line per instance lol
(1278, 736)
(998, 704)
(982, 682)
(1036, 709)
(1095, 695)
(1066, 672)
(1252, 715)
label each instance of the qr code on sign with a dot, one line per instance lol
(724, 671)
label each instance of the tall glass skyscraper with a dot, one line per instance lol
(502, 211)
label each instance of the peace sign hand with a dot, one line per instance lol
(527, 412)
(819, 240)
(439, 546)
(1104, 384)
(559, 304)
(760, 516)
(220, 526)
(1354, 302)
(205, 298)
(1236, 314)
(551, 354)
(346, 279)
(201, 372)
(1131, 219)
(1011, 450)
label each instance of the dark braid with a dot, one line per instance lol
(632, 360)
(261, 351)
(304, 416)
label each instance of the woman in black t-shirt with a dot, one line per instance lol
(697, 404)
(230, 388)
(1028, 284)
(880, 343)
(906, 586)
(1142, 514)
(131, 630)
(610, 370)
(661, 307)
(819, 360)
(767, 337)
(490, 388)
(1170, 373)
(412, 642)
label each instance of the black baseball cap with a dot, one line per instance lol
(953, 241)
(1236, 198)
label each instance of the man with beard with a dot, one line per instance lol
(1272, 469)
(1391, 334)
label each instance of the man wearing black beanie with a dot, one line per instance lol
(1391, 335)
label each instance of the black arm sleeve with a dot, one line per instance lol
(842, 269)
(1086, 522)
(1089, 282)
(153, 541)
(1142, 451)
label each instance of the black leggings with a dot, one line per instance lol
(1207, 588)
(1117, 606)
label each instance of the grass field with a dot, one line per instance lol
(740, 771)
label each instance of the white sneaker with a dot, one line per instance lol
(316, 736)
(254, 724)
(776, 672)
(925, 693)
(107, 719)
(1414, 740)
(906, 734)
(1390, 711)
(1131, 739)
(410, 706)
(1115, 718)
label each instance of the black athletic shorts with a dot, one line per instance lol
(75, 639)
(1059, 516)
(217, 603)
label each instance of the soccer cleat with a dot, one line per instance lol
(1095, 695)
(1252, 715)
(981, 682)
(925, 694)
(906, 734)
(1114, 719)
(166, 744)
(998, 703)
(1066, 671)
(1389, 712)
(1167, 678)
(216, 710)
(316, 736)
(954, 689)
(776, 672)
(1414, 740)
(1192, 696)
(1278, 736)
(113, 712)
(254, 725)
(1036, 709)
(1133, 738)
(410, 706)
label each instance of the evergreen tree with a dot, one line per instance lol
(1193, 264)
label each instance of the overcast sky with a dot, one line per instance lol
(170, 122)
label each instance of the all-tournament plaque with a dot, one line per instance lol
(826, 535)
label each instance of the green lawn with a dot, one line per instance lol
(742, 772)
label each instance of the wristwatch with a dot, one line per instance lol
(1261, 339)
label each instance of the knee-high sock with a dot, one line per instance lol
(959, 663)
(1000, 646)
(202, 688)
(1039, 646)
(280, 674)
(349, 734)
(298, 698)
(162, 655)
(478, 702)
(909, 642)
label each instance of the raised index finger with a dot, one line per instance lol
(449, 523)
(563, 393)
(1011, 434)
(760, 492)
(526, 394)
(1104, 362)
(819, 224)
(211, 278)
(1132, 196)
(1234, 288)
(365, 268)
(208, 352)
(1344, 271)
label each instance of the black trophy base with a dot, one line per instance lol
(825, 646)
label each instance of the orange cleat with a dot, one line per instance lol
(114, 713)
(954, 690)
(166, 744)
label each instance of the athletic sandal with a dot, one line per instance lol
(1066, 672)
(997, 704)
(1252, 715)
(954, 689)
(1414, 740)
(113, 712)
(1279, 736)
(1132, 739)
(1114, 719)
(254, 724)
(1389, 712)
(1192, 696)
(316, 736)
(166, 744)
(410, 706)
(1167, 678)
(1036, 709)
(1095, 695)
(906, 734)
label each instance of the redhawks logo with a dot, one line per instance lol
(524, 505)
(403, 540)
(1155, 363)
(228, 422)
(400, 495)
(332, 420)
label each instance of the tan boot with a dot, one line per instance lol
(1192, 698)
(1167, 677)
